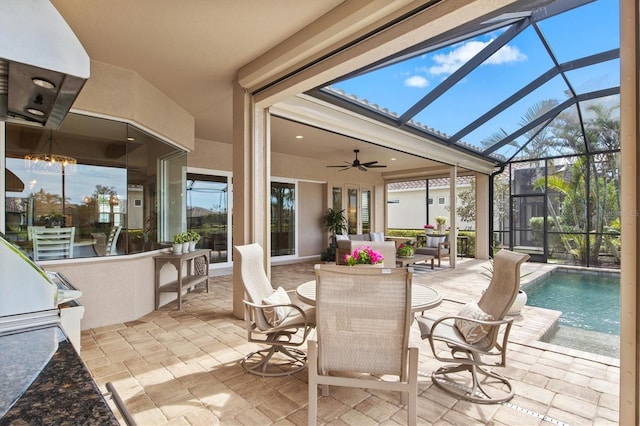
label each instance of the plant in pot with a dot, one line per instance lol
(194, 237)
(364, 255)
(441, 221)
(406, 249)
(178, 242)
(428, 228)
(334, 222)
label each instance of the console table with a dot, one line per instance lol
(197, 263)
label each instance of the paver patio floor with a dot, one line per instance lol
(182, 367)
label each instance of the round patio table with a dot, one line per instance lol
(422, 298)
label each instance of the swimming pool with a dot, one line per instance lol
(590, 306)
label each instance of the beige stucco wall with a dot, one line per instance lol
(119, 93)
(114, 289)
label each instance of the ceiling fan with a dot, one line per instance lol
(358, 165)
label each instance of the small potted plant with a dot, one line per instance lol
(441, 221)
(194, 237)
(178, 241)
(406, 249)
(428, 229)
(364, 255)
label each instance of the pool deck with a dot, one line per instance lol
(182, 367)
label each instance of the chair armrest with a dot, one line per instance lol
(448, 321)
(290, 305)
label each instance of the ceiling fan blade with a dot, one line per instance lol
(376, 165)
(346, 168)
(369, 163)
(362, 168)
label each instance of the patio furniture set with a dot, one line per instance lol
(356, 322)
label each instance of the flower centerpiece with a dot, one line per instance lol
(406, 249)
(364, 255)
(428, 228)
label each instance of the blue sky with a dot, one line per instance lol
(588, 30)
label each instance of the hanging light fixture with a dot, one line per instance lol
(48, 163)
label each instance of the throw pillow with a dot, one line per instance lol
(434, 241)
(376, 236)
(472, 331)
(342, 237)
(276, 315)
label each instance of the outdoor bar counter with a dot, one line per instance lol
(44, 381)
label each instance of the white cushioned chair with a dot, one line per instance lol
(271, 318)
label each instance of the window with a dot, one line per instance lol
(109, 177)
(441, 201)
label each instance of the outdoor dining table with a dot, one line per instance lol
(422, 298)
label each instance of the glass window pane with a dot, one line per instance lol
(336, 194)
(518, 63)
(600, 76)
(208, 213)
(352, 211)
(583, 31)
(519, 114)
(283, 214)
(366, 211)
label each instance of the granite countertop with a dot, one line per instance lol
(44, 381)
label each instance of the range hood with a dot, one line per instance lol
(43, 65)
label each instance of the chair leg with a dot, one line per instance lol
(258, 362)
(477, 392)
(312, 409)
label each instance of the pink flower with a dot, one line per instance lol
(428, 226)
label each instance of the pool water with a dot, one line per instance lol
(590, 306)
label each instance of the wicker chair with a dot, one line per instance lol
(477, 337)
(362, 333)
(281, 335)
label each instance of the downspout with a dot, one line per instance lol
(491, 176)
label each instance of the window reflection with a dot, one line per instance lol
(108, 195)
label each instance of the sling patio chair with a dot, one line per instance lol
(271, 318)
(362, 333)
(475, 339)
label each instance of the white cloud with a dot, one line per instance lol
(450, 62)
(416, 81)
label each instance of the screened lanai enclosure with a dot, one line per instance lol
(534, 89)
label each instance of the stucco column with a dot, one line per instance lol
(482, 216)
(251, 183)
(630, 206)
(453, 235)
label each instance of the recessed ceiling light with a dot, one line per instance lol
(393, 159)
(130, 139)
(299, 137)
(43, 83)
(35, 111)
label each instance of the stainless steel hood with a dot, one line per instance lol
(43, 66)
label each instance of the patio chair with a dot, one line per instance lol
(477, 337)
(52, 243)
(362, 333)
(271, 318)
(104, 245)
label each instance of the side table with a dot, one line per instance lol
(197, 263)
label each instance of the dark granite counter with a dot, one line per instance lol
(44, 381)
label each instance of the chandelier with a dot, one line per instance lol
(47, 163)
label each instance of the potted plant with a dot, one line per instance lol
(335, 222)
(194, 237)
(441, 221)
(406, 249)
(428, 229)
(364, 255)
(178, 241)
